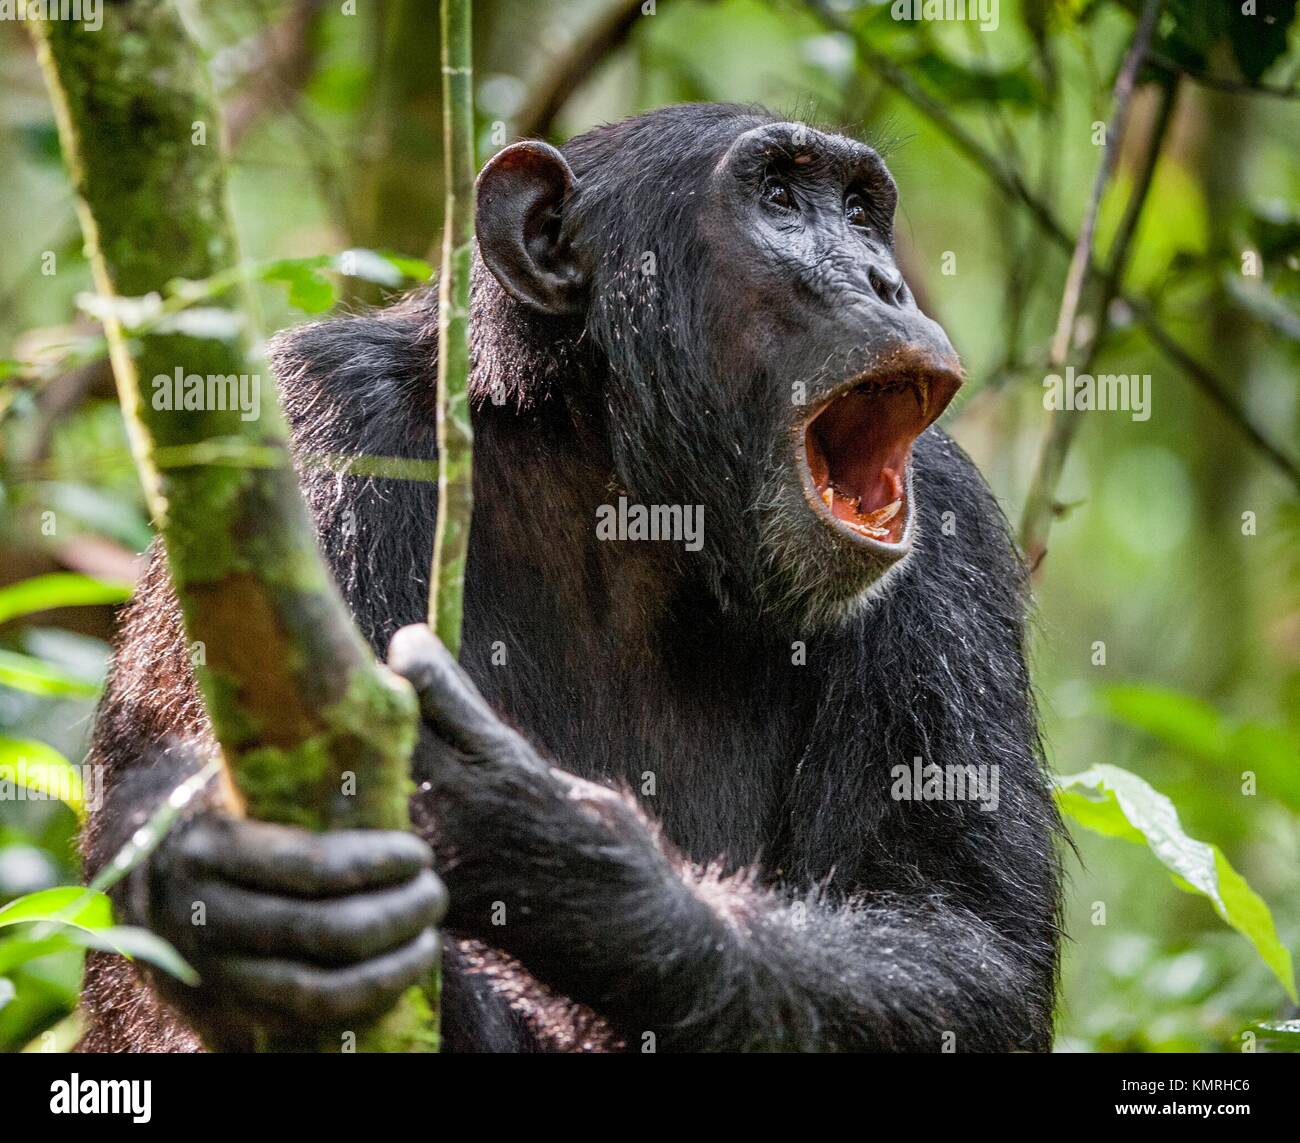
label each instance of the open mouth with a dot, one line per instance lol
(857, 448)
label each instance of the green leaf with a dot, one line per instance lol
(1279, 1035)
(1116, 803)
(60, 589)
(83, 919)
(1099, 814)
(37, 677)
(128, 941)
(309, 289)
(17, 950)
(65, 905)
(417, 269)
(36, 766)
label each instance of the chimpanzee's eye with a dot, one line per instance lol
(855, 211)
(776, 193)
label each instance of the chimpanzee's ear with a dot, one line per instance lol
(521, 196)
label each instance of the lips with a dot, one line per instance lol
(857, 448)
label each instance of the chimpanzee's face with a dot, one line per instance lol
(765, 358)
(827, 338)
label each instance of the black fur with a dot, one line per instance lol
(773, 895)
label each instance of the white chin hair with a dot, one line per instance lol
(844, 611)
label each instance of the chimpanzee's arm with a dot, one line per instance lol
(571, 878)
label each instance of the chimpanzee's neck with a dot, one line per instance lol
(609, 655)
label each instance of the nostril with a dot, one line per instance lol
(888, 284)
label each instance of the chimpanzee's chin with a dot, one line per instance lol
(818, 573)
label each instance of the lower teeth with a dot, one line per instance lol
(875, 524)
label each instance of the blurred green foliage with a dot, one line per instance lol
(1168, 643)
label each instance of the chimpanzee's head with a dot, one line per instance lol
(758, 350)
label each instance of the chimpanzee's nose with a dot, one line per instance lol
(888, 284)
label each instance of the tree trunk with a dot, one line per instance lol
(312, 730)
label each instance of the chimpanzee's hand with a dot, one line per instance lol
(516, 839)
(292, 932)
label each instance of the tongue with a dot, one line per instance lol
(863, 444)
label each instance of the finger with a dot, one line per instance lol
(449, 701)
(334, 932)
(324, 996)
(297, 862)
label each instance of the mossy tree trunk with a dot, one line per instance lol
(313, 731)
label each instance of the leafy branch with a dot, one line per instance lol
(1116, 803)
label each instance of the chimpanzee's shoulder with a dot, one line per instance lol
(948, 480)
(966, 543)
(361, 374)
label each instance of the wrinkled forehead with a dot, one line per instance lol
(690, 142)
(805, 149)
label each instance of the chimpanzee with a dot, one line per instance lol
(680, 794)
